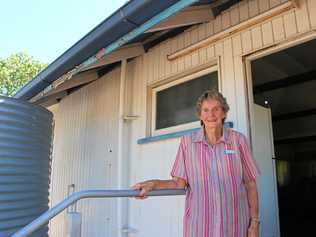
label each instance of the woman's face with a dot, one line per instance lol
(212, 113)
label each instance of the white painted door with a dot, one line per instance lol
(263, 149)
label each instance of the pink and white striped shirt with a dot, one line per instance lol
(216, 199)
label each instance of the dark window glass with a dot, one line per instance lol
(176, 105)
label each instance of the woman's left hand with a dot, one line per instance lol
(253, 230)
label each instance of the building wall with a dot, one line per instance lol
(85, 152)
(80, 155)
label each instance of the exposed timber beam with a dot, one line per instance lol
(295, 140)
(79, 79)
(293, 115)
(221, 5)
(189, 16)
(126, 52)
(295, 3)
(51, 99)
(285, 82)
(61, 89)
(162, 36)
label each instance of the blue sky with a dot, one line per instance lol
(45, 29)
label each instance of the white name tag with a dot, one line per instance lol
(227, 152)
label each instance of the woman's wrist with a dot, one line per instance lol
(255, 219)
(254, 222)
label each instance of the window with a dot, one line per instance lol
(174, 103)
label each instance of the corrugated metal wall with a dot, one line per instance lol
(85, 153)
(154, 160)
(25, 158)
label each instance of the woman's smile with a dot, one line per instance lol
(212, 113)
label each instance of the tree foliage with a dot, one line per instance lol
(16, 70)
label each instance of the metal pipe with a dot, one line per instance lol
(46, 216)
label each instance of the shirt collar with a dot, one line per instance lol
(199, 136)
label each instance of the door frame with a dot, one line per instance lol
(251, 120)
(247, 59)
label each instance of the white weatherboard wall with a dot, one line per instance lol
(86, 121)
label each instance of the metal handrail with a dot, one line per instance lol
(49, 214)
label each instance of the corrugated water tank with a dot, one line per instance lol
(25, 159)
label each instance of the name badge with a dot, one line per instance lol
(227, 152)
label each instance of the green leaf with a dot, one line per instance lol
(16, 70)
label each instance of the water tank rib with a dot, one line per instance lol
(25, 164)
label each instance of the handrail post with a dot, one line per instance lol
(49, 214)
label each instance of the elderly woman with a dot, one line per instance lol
(216, 167)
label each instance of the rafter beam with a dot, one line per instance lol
(285, 82)
(51, 99)
(162, 36)
(126, 52)
(295, 3)
(189, 16)
(295, 140)
(293, 115)
(61, 89)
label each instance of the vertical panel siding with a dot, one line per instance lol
(264, 5)
(202, 32)
(159, 68)
(54, 110)
(274, 3)
(202, 54)
(226, 20)
(278, 29)
(85, 154)
(267, 33)
(159, 216)
(290, 26)
(218, 24)
(253, 8)
(174, 63)
(228, 80)
(240, 82)
(209, 28)
(243, 11)
(246, 41)
(234, 15)
(312, 10)
(147, 162)
(302, 17)
(256, 35)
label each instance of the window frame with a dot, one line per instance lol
(155, 90)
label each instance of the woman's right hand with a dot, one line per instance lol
(144, 188)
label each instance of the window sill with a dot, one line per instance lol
(174, 134)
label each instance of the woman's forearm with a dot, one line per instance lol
(149, 185)
(167, 184)
(253, 202)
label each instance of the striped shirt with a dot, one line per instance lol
(216, 200)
